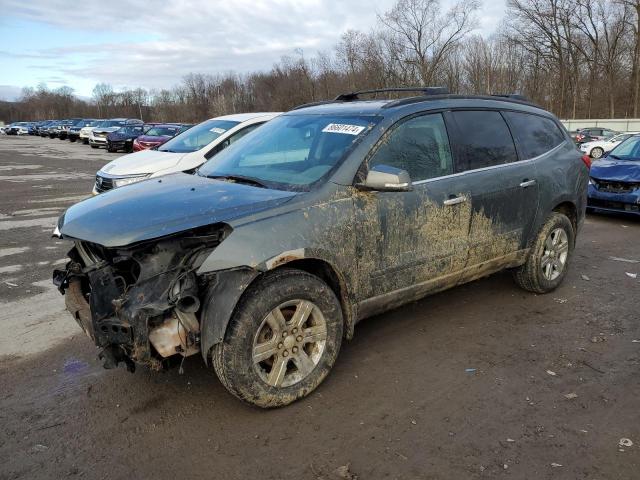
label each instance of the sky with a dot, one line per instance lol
(131, 43)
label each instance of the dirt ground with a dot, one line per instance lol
(482, 381)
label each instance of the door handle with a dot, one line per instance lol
(455, 200)
(527, 183)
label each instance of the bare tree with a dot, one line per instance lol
(425, 36)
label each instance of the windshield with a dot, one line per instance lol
(130, 130)
(619, 138)
(198, 137)
(111, 123)
(290, 152)
(627, 150)
(162, 131)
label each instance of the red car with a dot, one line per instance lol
(157, 135)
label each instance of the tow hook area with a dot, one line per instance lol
(112, 355)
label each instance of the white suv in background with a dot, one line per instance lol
(598, 148)
(184, 152)
(85, 132)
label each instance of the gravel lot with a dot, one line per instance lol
(482, 381)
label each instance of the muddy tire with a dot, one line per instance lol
(549, 258)
(271, 359)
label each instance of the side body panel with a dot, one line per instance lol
(563, 178)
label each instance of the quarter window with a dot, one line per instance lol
(535, 134)
(420, 146)
(484, 139)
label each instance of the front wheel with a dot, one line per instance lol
(549, 257)
(597, 152)
(282, 340)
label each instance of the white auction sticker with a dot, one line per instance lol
(343, 128)
(217, 130)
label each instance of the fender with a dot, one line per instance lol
(220, 300)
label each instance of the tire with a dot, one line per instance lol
(596, 152)
(534, 275)
(111, 150)
(289, 291)
(85, 141)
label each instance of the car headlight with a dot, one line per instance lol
(121, 182)
(591, 182)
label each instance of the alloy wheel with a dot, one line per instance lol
(289, 343)
(556, 251)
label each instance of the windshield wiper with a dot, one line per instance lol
(614, 156)
(239, 179)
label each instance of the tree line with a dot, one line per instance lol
(576, 58)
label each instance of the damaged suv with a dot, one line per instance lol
(264, 259)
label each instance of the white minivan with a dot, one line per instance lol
(183, 153)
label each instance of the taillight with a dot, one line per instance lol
(587, 161)
(579, 137)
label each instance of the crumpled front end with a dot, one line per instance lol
(140, 304)
(614, 196)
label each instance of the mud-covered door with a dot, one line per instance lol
(405, 239)
(503, 190)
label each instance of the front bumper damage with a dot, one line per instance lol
(140, 304)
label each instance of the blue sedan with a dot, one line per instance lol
(614, 183)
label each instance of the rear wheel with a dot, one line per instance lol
(597, 152)
(282, 340)
(549, 257)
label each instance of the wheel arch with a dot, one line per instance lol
(334, 279)
(225, 294)
(570, 210)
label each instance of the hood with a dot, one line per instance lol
(154, 138)
(616, 170)
(145, 161)
(158, 207)
(121, 136)
(105, 129)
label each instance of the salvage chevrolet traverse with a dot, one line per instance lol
(266, 258)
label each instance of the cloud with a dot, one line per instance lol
(157, 44)
(10, 92)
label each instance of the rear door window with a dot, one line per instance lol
(535, 135)
(420, 146)
(483, 139)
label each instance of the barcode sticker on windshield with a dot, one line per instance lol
(343, 128)
(217, 130)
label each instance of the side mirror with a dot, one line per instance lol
(385, 178)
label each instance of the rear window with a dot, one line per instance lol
(536, 135)
(484, 140)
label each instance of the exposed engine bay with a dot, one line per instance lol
(140, 304)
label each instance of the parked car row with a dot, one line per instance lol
(115, 134)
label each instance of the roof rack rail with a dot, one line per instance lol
(514, 96)
(312, 104)
(350, 97)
